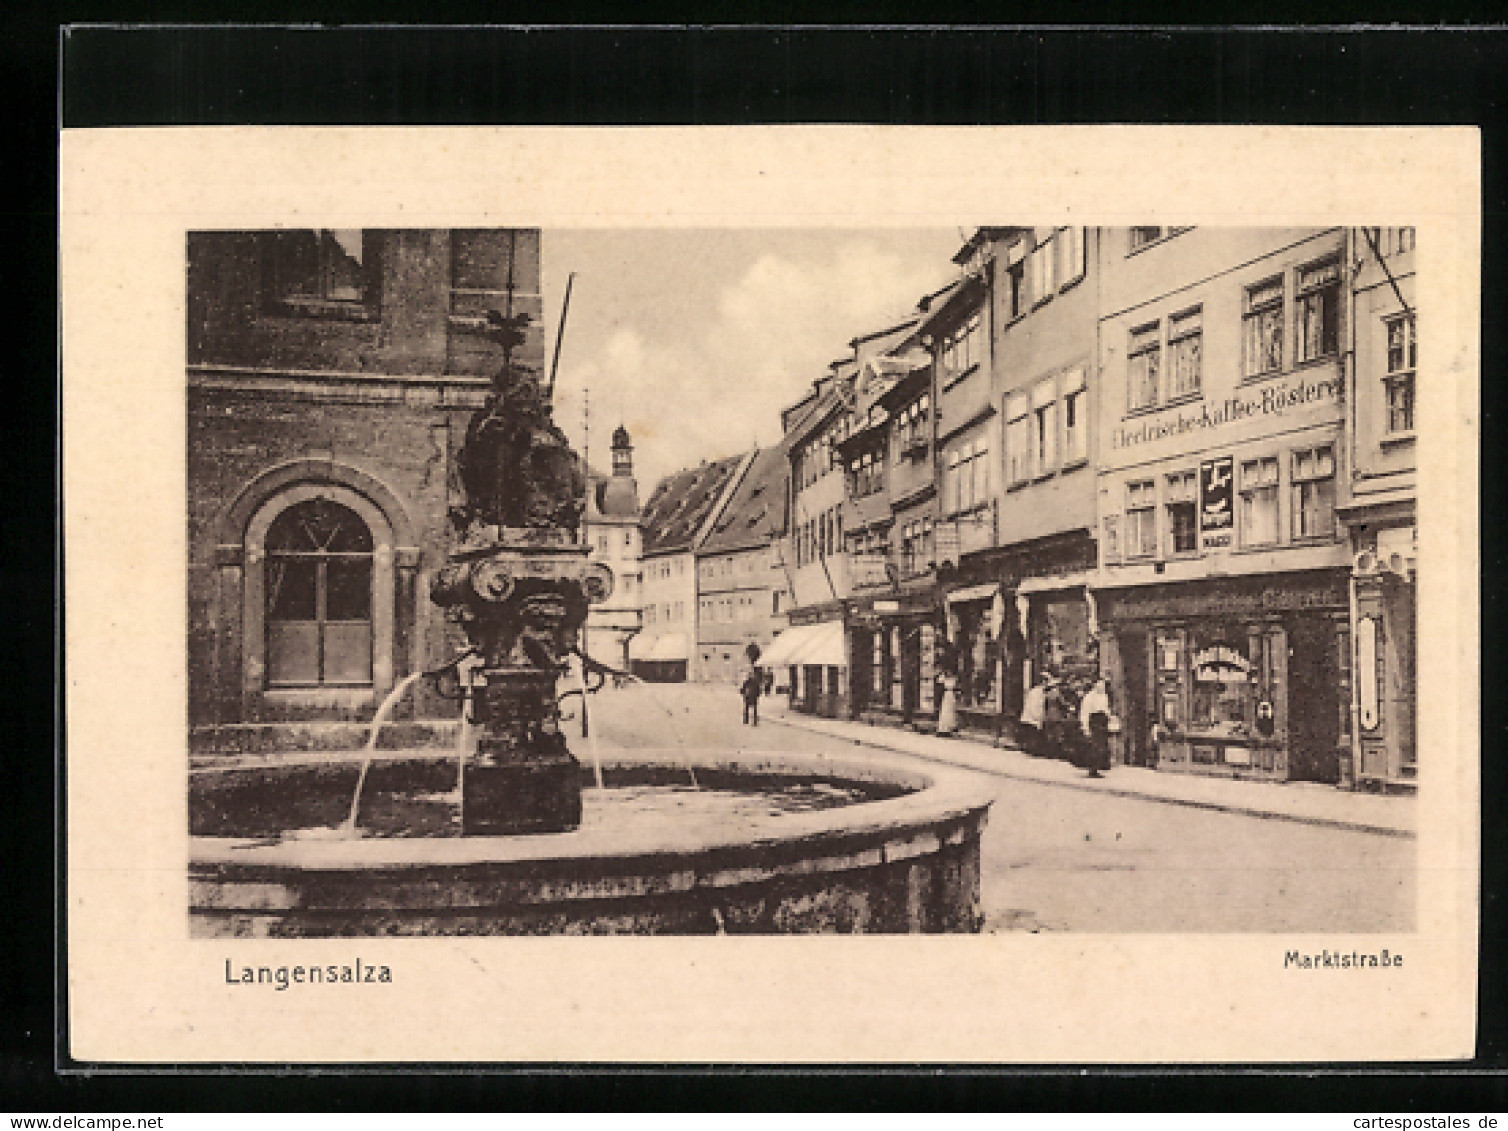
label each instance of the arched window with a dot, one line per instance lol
(319, 597)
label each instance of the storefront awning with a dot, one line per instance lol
(817, 644)
(670, 646)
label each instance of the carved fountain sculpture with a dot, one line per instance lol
(519, 584)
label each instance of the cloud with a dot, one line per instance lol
(713, 389)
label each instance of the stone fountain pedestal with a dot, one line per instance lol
(522, 596)
(522, 778)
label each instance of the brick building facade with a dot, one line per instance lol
(330, 379)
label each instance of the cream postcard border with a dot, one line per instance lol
(140, 990)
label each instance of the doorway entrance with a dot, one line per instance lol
(1138, 681)
(1314, 675)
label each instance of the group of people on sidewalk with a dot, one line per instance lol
(1063, 719)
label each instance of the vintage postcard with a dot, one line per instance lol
(771, 595)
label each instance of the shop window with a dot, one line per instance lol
(1141, 519)
(319, 597)
(1143, 362)
(1223, 682)
(977, 652)
(1263, 328)
(1259, 502)
(1142, 236)
(1017, 440)
(319, 271)
(1399, 381)
(1314, 492)
(1185, 353)
(1075, 426)
(1182, 503)
(1318, 310)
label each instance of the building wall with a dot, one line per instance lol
(816, 577)
(669, 603)
(615, 542)
(1386, 460)
(1223, 624)
(363, 404)
(735, 608)
(1231, 417)
(1051, 339)
(1380, 510)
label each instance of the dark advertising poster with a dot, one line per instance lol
(1215, 500)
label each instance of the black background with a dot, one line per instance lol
(99, 76)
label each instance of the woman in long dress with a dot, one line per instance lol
(947, 711)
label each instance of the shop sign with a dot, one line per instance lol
(1366, 670)
(1216, 500)
(1275, 400)
(1224, 602)
(947, 542)
(887, 606)
(1220, 663)
(867, 570)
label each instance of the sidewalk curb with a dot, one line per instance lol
(1111, 791)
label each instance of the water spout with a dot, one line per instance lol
(586, 730)
(378, 720)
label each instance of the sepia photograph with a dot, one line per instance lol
(738, 595)
(1010, 578)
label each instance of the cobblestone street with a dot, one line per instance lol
(1059, 858)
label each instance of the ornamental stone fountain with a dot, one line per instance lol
(759, 842)
(519, 584)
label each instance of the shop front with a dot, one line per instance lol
(815, 664)
(1016, 613)
(977, 627)
(1246, 677)
(897, 649)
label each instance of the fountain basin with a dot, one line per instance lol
(872, 845)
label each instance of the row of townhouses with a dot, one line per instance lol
(1181, 459)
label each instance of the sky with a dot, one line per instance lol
(695, 340)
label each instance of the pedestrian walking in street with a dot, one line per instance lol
(750, 689)
(1094, 722)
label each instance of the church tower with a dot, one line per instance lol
(623, 452)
